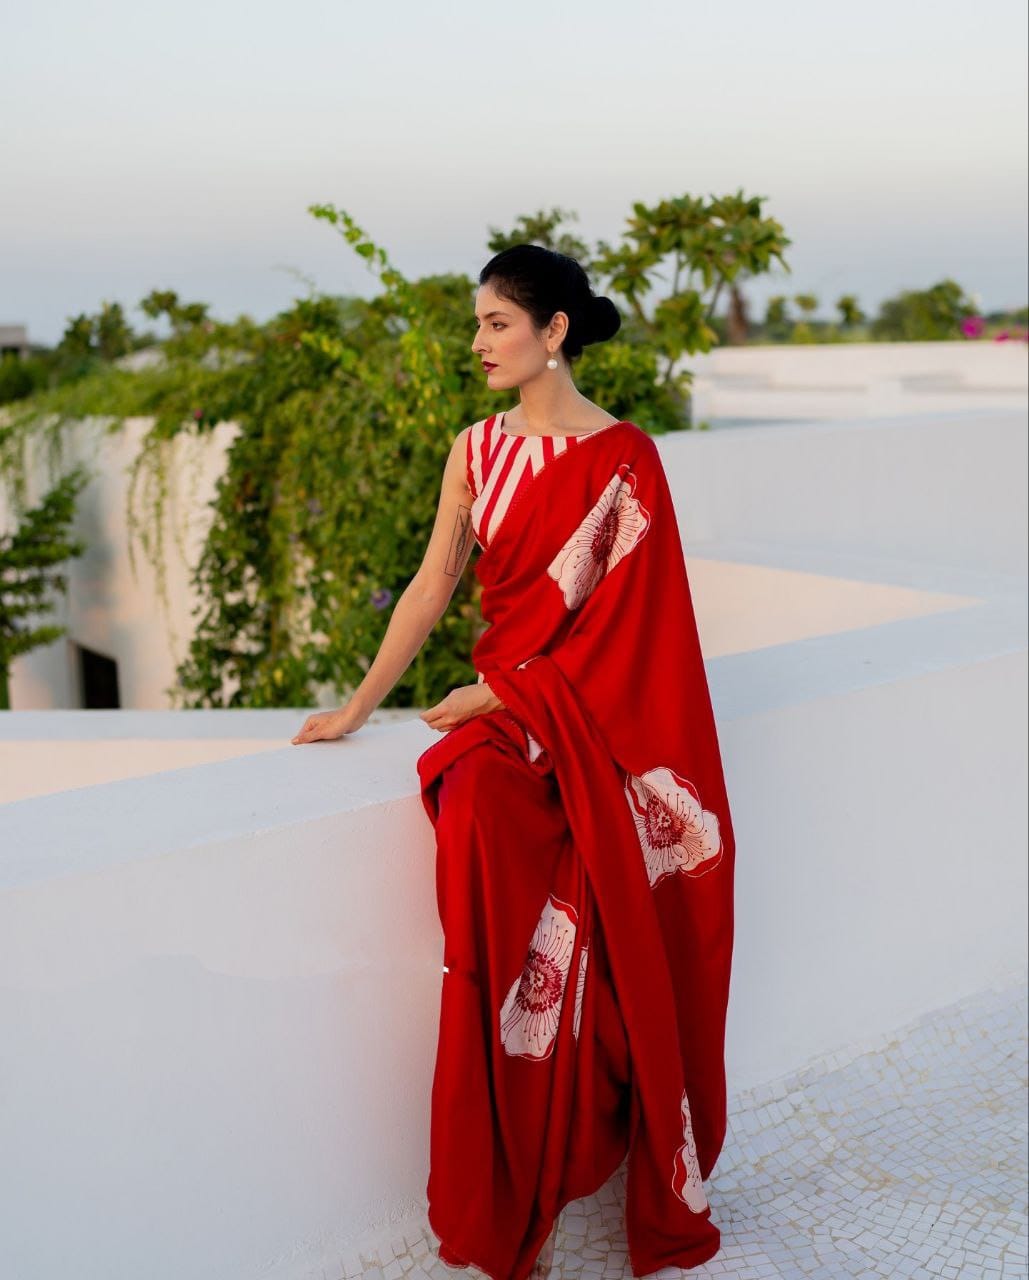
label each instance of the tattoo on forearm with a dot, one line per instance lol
(459, 541)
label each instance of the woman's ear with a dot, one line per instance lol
(558, 325)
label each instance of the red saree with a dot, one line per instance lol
(584, 870)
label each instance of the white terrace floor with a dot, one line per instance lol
(906, 1160)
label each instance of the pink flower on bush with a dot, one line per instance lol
(973, 326)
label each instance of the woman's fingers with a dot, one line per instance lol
(309, 731)
(437, 721)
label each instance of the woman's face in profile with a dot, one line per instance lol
(506, 339)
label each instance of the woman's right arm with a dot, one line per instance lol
(418, 608)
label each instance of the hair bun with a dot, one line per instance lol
(543, 282)
(604, 319)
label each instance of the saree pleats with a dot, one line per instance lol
(530, 1097)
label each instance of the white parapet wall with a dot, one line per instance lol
(816, 381)
(219, 983)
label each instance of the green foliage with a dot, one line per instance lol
(808, 329)
(345, 411)
(706, 244)
(850, 313)
(923, 315)
(106, 335)
(20, 377)
(182, 316)
(778, 322)
(88, 344)
(543, 228)
(28, 558)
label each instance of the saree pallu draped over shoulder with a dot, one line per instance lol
(584, 873)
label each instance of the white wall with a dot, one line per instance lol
(929, 488)
(817, 381)
(42, 752)
(219, 984)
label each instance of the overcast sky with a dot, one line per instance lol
(178, 145)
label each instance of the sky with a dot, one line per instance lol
(178, 145)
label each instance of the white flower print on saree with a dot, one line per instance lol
(686, 1180)
(529, 1016)
(609, 531)
(675, 831)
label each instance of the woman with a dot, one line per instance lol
(584, 846)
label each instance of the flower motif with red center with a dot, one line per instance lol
(530, 1015)
(675, 831)
(614, 525)
(686, 1181)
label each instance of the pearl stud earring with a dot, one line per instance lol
(551, 363)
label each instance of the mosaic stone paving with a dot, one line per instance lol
(907, 1159)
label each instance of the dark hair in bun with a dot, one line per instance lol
(542, 282)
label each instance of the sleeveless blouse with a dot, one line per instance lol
(501, 467)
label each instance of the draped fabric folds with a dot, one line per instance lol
(585, 859)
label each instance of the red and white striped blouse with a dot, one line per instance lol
(501, 465)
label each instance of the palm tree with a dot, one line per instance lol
(850, 313)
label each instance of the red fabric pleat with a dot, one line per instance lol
(513, 1140)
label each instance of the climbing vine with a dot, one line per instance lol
(344, 411)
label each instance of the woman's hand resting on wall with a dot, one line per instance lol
(330, 724)
(461, 704)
